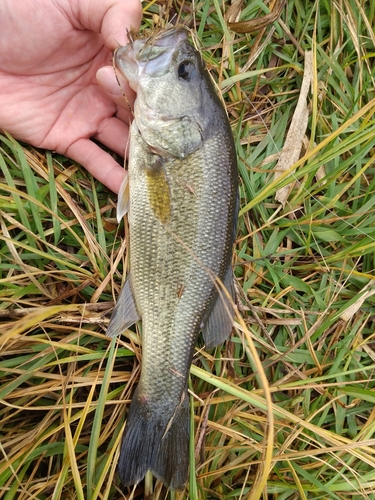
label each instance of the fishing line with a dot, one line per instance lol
(130, 108)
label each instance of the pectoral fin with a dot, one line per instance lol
(123, 198)
(218, 325)
(159, 194)
(125, 313)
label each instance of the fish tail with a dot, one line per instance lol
(156, 438)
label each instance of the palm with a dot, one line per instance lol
(48, 89)
(62, 105)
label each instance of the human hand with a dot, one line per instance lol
(50, 54)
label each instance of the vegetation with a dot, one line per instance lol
(285, 408)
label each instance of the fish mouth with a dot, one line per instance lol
(160, 42)
(152, 55)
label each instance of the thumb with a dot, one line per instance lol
(110, 18)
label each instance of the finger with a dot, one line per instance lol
(118, 90)
(96, 161)
(114, 134)
(111, 18)
(124, 115)
(118, 18)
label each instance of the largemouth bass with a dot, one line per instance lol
(182, 215)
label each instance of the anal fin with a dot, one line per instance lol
(125, 313)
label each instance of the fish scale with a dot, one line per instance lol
(156, 287)
(182, 212)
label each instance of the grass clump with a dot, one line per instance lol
(285, 409)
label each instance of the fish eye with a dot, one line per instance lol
(184, 70)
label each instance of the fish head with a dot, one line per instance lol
(174, 91)
(150, 57)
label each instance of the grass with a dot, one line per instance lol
(285, 408)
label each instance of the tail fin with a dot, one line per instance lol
(156, 438)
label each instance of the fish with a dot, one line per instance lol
(181, 199)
